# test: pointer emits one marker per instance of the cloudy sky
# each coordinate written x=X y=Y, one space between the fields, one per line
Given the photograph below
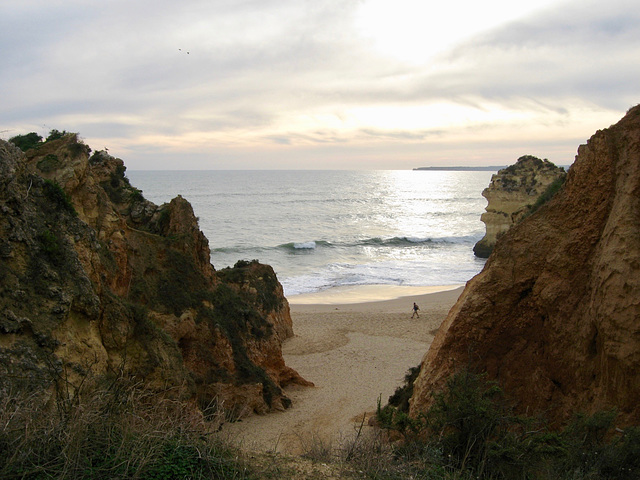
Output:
x=359 y=84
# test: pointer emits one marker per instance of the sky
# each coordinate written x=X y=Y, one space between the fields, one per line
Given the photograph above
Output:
x=321 y=84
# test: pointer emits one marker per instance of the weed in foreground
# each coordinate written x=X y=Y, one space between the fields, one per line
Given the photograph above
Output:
x=110 y=436
x=470 y=431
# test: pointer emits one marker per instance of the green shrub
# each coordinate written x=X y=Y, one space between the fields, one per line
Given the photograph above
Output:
x=136 y=195
x=78 y=148
x=175 y=461
x=56 y=134
x=27 y=142
x=595 y=449
x=553 y=188
x=183 y=286
x=402 y=395
x=468 y=417
x=120 y=171
x=50 y=244
x=470 y=431
x=117 y=187
x=395 y=415
x=164 y=220
x=112 y=187
x=621 y=458
x=58 y=197
x=49 y=163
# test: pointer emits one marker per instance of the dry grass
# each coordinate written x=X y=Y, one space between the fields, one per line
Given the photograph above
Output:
x=119 y=432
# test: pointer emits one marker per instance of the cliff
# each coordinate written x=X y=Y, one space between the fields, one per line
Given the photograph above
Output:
x=98 y=283
x=554 y=316
x=512 y=194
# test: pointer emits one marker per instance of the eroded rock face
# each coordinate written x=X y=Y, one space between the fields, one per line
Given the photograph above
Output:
x=511 y=194
x=98 y=282
x=554 y=316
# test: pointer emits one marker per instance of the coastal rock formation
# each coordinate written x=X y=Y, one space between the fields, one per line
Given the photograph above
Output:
x=554 y=316
x=511 y=195
x=99 y=283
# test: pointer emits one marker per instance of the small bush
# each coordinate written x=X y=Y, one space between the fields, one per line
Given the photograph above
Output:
x=58 y=197
x=117 y=187
x=183 y=286
x=49 y=163
x=49 y=244
x=594 y=449
x=78 y=148
x=164 y=220
x=27 y=142
x=56 y=134
x=112 y=187
x=549 y=193
x=136 y=195
x=467 y=417
x=402 y=395
x=471 y=432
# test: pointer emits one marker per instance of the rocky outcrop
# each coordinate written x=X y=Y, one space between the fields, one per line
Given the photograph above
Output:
x=554 y=316
x=98 y=282
x=511 y=194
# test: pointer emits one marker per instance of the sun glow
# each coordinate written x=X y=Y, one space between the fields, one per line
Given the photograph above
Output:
x=426 y=117
x=415 y=31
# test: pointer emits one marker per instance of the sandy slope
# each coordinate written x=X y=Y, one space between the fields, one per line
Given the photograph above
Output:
x=354 y=353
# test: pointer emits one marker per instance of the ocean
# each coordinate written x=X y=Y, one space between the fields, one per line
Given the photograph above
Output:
x=324 y=229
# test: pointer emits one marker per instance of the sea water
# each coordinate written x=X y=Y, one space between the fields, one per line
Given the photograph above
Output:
x=324 y=229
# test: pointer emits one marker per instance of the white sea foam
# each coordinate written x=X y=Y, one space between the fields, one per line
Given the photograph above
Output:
x=305 y=245
x=449 y=270
x=417 y=239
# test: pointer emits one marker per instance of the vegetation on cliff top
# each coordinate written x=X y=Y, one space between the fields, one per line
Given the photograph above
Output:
x=33 y=140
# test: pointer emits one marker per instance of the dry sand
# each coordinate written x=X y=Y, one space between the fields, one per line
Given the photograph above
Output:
x=355 y=352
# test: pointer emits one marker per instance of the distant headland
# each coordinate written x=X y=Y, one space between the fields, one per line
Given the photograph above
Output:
x=491 y=168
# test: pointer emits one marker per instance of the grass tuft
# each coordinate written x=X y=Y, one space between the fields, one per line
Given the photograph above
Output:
x=117 y=431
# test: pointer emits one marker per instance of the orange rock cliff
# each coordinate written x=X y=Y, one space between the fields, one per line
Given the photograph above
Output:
x=554 y=316
x=98 y=282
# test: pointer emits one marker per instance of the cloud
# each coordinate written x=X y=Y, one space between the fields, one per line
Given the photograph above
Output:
x=285 y=77
x=580 y=50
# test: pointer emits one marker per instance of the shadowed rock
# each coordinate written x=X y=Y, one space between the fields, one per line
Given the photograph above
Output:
x=98 y=283
x=554 y=316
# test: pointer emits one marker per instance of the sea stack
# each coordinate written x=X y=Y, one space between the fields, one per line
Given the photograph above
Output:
x=511 y=195
x=554 y=316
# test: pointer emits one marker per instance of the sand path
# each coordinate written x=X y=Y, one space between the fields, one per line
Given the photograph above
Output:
x=354 y=353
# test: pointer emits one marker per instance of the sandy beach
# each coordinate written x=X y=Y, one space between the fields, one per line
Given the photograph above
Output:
x=355 y=351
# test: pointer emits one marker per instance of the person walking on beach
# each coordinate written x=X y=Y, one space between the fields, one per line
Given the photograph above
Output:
x=415 y=310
